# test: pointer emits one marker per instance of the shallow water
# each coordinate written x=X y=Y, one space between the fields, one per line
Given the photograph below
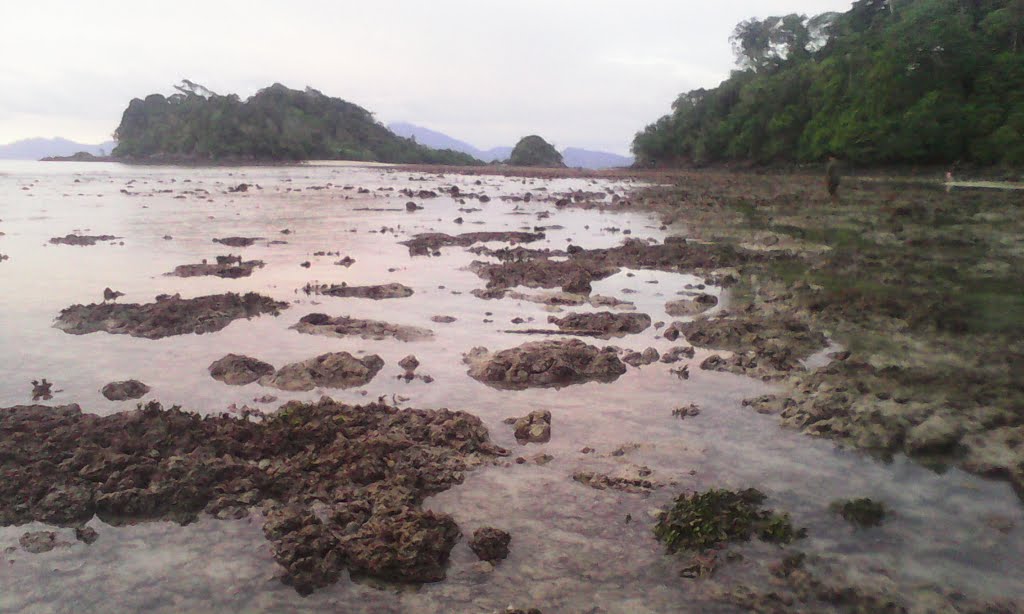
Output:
x=572 y=549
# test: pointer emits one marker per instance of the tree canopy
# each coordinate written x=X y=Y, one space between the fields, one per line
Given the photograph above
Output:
x=887 y=82
x=277 y=123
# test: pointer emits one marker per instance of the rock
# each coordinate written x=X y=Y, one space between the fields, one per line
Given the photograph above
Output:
x=677 y=353
x=442 y=319
x=544 y=364
x=409 y=363
x=42 y=390
x=238 y=241
x=344 y=326
x=428 y=243
x=81 y=240
x=490 y=544
x=122 y=391
x=411 y=206
x=404 y=545
x=939 y=433
x=603 y=324
x=686 y=411
x=331 y=370
x=228 y=267
x=238 y=370
x=533 y=428
x=38 y=542
x=638 y=359
x=375 y=293
x=86 y=535
x=169 y=315
x=379 y=463
x=691 y=306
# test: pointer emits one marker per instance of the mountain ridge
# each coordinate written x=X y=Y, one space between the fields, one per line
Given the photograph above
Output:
x=575 y=157
x=37 y=148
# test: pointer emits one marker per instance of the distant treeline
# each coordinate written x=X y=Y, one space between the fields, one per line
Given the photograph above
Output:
x=888 y=82
x=276 y=123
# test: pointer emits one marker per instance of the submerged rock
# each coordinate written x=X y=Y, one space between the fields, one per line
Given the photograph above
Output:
x=860 y=512
x=490 y=544
x=229 y=267
x=238 y=241
x=698 y=521
x=429 y=243
x=122 y=391
x=344 y=326
x=603 y=324
x=169 y=315
x=331 y=370
x=37 y=542
x=691 y=306
x=81 y=240
x=343 y=483
x=532 y=428
x=371 y=292
x=238 y=370
x=544 y=363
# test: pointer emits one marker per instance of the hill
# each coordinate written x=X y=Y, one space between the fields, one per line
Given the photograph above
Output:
x=534 y=151
x=908 y=82
x=575 y=157
x=275 y=124
x=38 y=148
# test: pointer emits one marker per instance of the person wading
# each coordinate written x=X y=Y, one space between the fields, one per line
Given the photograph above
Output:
x=832 y=176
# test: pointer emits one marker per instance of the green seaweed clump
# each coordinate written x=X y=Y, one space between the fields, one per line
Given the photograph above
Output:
x=698 y=521
x=861 y=512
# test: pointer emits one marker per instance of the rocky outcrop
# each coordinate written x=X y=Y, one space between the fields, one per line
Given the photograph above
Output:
x=169 y=315
x=331 y=370
x=602 y=324
x=81 y=240
x=544 y=364
x=344 y=484
x=228 y=267
x=344 y=326
x=122 y=391
x=371 y=292
x=431 y=242
x=238 y=370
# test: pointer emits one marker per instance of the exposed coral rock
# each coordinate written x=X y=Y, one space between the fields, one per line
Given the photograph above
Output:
x=169 y=315
x=490 y=544
x=344 y=326
x=544 y=363
x=331 y=370
x=122 y=391
x=238 y=370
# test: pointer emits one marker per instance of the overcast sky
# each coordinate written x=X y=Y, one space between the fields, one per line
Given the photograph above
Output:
x=585 y=74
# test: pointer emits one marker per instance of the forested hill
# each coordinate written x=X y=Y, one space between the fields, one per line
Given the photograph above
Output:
x=888 y=82
x=276 y=123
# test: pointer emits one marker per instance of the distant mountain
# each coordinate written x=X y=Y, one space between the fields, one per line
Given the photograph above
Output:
x=39 y=148
x=573 y=156
x=584 y=158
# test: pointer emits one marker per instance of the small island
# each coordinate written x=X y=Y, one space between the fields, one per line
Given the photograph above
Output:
x=277 y=124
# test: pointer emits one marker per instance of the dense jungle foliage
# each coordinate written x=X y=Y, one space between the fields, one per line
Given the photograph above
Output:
x=888 y=82
x=276 y=123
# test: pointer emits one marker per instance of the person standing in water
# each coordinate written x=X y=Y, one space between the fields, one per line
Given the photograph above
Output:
x=832 y=176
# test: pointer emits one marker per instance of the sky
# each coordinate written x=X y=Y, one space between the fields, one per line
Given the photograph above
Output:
x=579 y=73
